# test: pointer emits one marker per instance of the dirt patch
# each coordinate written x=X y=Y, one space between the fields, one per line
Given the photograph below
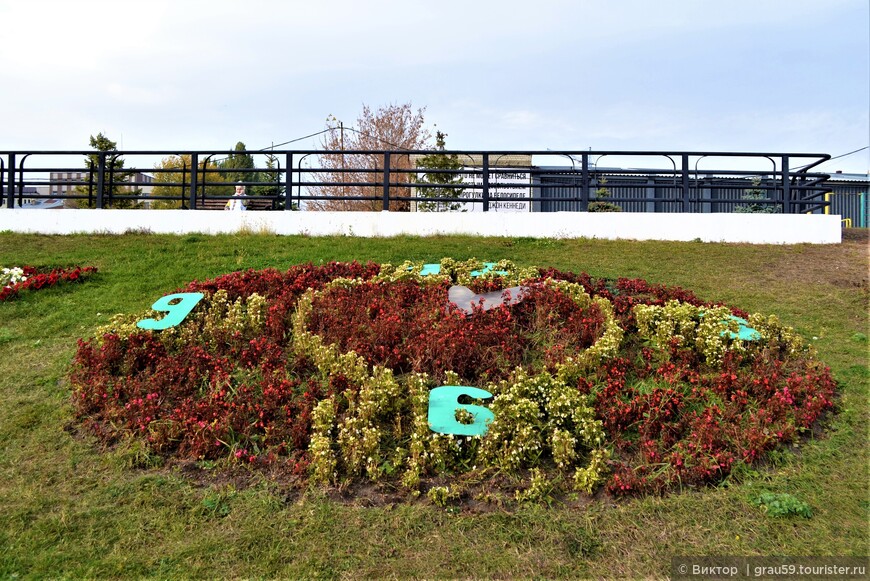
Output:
x=468 y=494
x=842 y=265
x=856 y=235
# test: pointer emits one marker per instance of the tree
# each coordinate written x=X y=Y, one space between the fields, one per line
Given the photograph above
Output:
x=756 y=194
x=601 y=204
x=439 y=161
x=114 y=176
x=271 y=175
x=393 y=127
x=238 y=161
x=175 y=169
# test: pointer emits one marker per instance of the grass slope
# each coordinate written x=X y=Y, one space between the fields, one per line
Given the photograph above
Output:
x=70 y=509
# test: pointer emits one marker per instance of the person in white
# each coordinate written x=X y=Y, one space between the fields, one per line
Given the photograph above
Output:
x=238 y=201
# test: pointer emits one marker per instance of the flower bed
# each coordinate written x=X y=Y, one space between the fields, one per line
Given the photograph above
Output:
x=13 y=280
x=327 y=370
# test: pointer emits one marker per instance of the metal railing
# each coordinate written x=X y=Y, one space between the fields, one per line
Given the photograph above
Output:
x=391 y=180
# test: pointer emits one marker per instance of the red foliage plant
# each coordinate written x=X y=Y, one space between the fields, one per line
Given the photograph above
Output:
x=37 y=279
x=671 y=419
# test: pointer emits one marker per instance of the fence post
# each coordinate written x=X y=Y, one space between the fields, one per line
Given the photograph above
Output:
x=486 y=182
x=584 y=185
x=786 y=187
x=10 y=194
x=183 y=183
x=21 y=179
x=194 y=165
x=288 y=183
x=386 y=207
x=687 y=204
x=101 y=178
x=90 y=183
x=111 y=189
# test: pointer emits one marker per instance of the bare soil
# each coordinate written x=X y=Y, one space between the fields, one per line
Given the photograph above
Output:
x=842 y=265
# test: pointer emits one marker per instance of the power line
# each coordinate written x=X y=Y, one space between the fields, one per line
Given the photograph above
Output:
x=850 y=153
x=364 y=134
x=833 y=158
x=274 y=145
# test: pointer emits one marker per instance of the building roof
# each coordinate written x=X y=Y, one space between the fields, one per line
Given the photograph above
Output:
x=28 y=191
x=850 y=177
x=476 y=160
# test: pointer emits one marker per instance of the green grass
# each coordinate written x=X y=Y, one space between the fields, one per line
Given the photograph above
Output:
x=70 y=509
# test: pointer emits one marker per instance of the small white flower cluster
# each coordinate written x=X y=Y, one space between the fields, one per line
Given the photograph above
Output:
x=457 y=272
x=661 y=324
x=535 y=414
x=708 y=330
x=440 y=495
x=213 y=320
x=538 y=489
x=775 y=335
x=244 y=315
x=323 y=462
x=11 y=276
x=361 y=433
x=605 y=347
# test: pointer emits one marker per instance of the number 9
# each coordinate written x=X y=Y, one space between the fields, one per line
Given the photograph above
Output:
x=176 y=312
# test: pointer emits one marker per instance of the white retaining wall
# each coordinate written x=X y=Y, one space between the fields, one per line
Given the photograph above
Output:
x=752 y=228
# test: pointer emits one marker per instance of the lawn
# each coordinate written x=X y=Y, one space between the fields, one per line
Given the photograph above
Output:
x=69 y=508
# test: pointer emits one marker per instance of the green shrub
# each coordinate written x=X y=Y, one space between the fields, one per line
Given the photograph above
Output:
x=782 y=504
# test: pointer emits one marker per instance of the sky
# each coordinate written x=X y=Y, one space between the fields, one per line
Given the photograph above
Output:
x=628 y=75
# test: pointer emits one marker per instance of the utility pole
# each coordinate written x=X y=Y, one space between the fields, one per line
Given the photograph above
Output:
x=343 y=175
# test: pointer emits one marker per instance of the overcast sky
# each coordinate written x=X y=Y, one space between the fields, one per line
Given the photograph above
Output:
x=735 y=75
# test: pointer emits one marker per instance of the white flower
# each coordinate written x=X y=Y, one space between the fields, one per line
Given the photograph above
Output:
x=11 y=276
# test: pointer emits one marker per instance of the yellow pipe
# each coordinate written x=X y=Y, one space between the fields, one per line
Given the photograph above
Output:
x=828 y=199
x=847 y=222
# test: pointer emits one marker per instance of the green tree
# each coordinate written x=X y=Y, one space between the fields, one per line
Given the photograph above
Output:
x=271 y=175
x=756 y=193
x=114 y=176
x=236 y=164
x=439 y=161
x=175 y=169
x=601 y=204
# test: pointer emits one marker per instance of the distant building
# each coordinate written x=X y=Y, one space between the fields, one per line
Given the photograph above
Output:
x=29 y=195
x=850 y=197
x=71 y=183
x=509 y=179
x=557 y=188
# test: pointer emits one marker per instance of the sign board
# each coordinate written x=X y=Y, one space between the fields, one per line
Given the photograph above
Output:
x=509 y=183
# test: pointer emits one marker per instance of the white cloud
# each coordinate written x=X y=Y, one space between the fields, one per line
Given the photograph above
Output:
x=498 y=74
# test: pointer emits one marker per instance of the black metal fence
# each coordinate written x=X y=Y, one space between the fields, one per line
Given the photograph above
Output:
x=394 y=180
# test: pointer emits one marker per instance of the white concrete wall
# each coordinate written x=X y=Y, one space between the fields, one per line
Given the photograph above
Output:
x=752 y=228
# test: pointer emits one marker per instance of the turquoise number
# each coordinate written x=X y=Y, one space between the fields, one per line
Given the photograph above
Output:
x=443 y=403
x=436 y=269
x=745 y=332
x=175 y=311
